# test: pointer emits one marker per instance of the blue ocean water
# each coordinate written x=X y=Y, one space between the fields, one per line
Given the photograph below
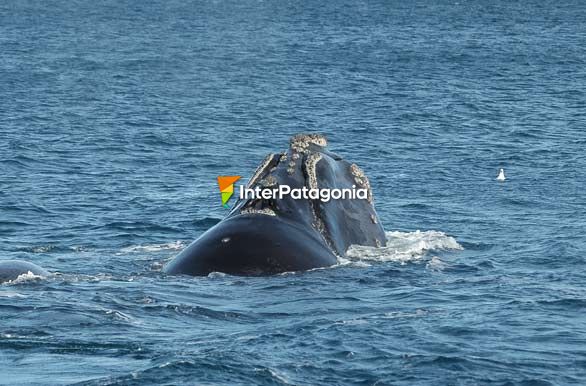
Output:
x=117 y=116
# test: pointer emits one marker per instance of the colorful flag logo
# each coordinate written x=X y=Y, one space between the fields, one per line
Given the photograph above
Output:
x=226 y=184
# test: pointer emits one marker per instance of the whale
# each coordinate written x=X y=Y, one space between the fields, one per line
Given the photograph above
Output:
x=12 y=269
x=267 y=236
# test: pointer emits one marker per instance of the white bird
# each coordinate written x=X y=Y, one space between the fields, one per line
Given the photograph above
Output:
x=501 y=176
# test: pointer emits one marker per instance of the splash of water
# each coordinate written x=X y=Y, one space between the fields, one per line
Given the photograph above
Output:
x=25 y=277
x=404 y=247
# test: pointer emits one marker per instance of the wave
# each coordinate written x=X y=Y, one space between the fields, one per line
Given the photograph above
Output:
x=404 y=247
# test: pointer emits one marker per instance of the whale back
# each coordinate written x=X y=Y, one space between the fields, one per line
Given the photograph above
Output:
x=12 y=269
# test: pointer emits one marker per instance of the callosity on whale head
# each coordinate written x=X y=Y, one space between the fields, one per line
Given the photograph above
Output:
x=267 y=236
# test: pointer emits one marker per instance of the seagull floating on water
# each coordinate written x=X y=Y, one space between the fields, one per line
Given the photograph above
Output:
x=501 y=176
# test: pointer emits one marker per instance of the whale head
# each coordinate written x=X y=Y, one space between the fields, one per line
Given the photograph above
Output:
x=289 y=233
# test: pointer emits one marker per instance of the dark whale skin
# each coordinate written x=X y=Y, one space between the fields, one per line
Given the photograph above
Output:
x=266 y=237
x=252 y=245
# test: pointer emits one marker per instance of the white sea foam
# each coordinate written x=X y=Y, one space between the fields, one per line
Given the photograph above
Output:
x=173 y=246
x=8 y=294
x=25 y=277
x=435 y=264
x=404 y=247
x=217 y=274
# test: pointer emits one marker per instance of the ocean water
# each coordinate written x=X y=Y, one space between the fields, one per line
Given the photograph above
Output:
x=117 y=116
